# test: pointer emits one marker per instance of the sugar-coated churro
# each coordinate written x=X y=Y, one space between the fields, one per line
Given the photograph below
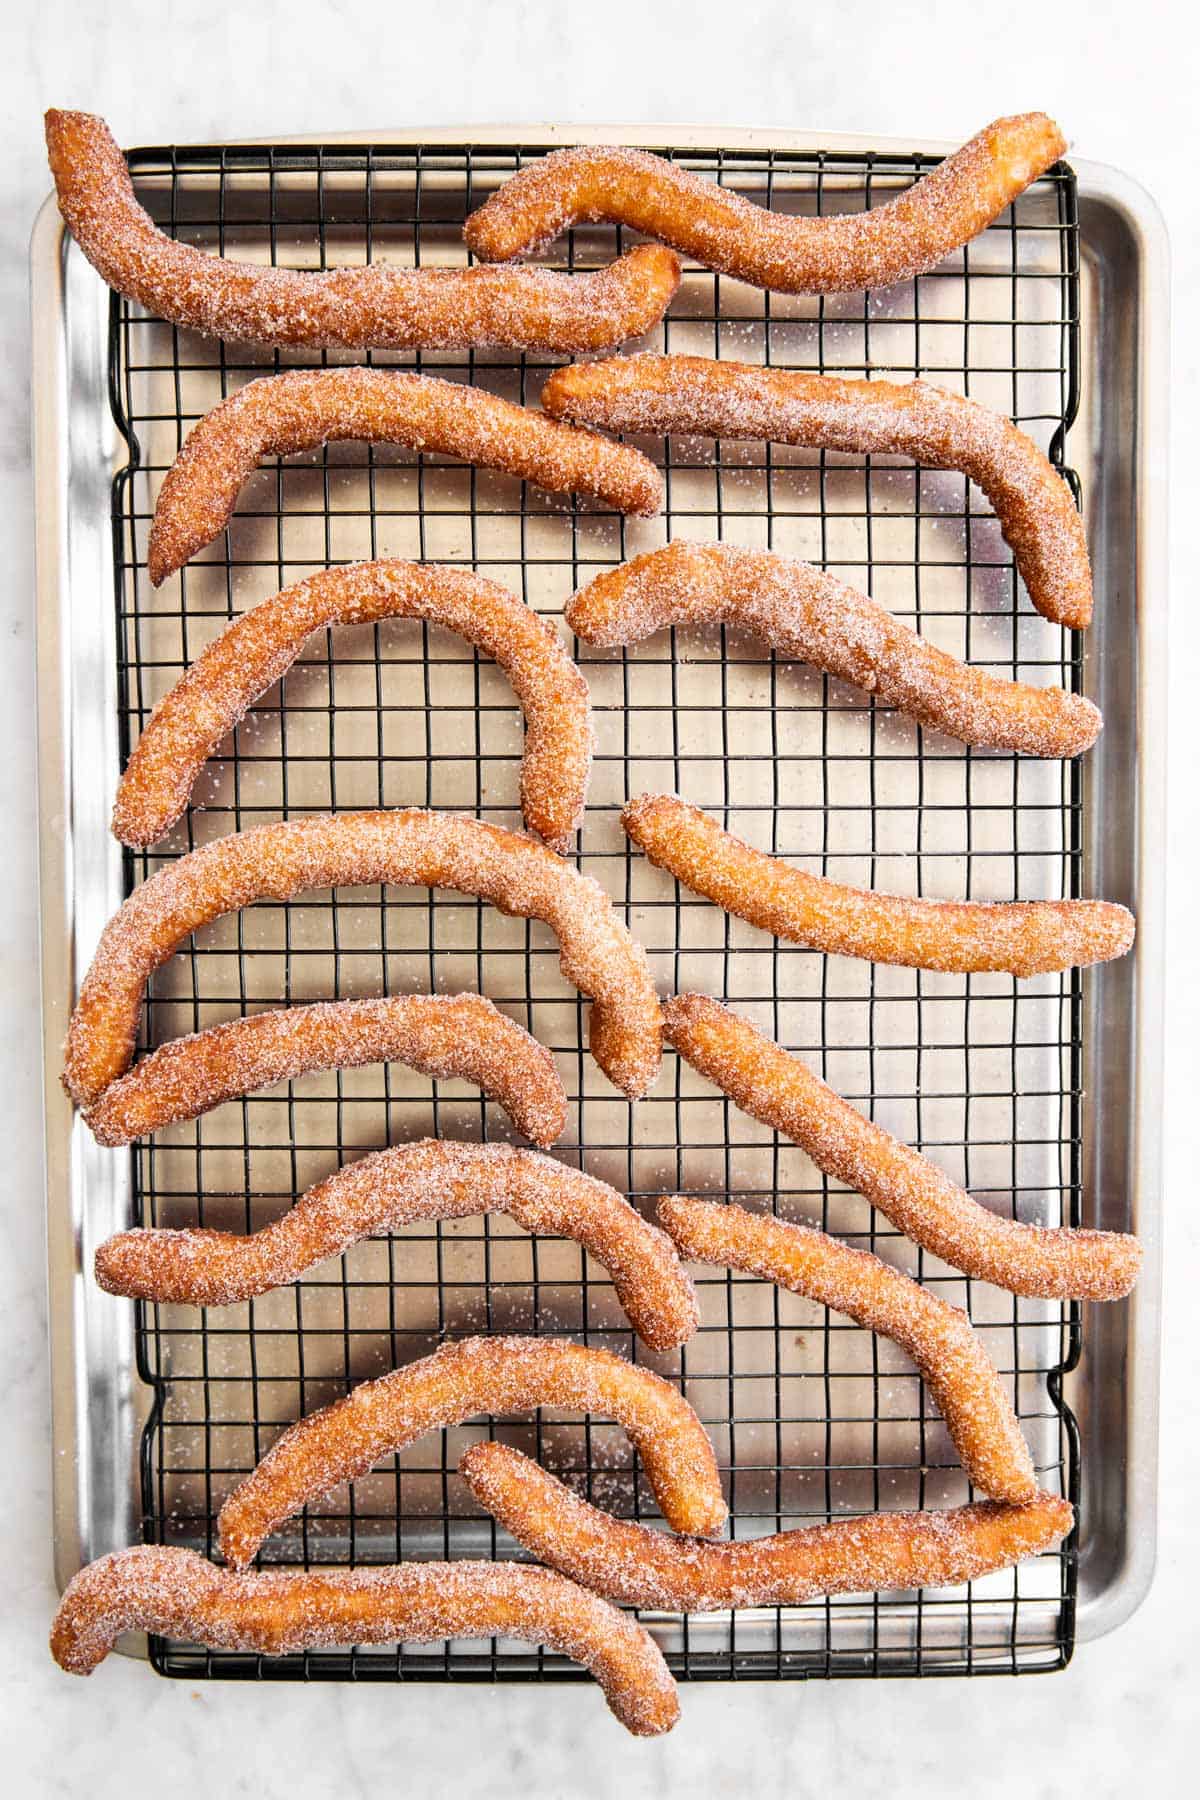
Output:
x=906 y=236
x=433 y=1179
x=177 y=1593
x=280 y=415
x=447 y=1036
x=217 y=691
x=939 y=1337
x=413 y=848
x=640 y=1566
x=807 y=614
x=938 y=429
x=493 y=1375
x=378 y=306
x=776 y=1088
x=1021 y=937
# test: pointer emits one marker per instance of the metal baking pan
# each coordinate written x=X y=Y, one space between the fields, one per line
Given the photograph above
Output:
x=1047 y=1099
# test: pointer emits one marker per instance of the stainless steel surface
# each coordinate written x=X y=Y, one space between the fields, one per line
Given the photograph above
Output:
x=1114 y=1391
x=1117 y=446
x=97 y=1402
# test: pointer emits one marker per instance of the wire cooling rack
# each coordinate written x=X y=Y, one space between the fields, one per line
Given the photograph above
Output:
x=811 y=1417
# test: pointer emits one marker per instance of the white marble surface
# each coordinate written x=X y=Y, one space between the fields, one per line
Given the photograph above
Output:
x=1122 y=77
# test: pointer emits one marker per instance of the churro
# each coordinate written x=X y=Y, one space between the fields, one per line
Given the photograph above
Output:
x=776 y=1088
x=937 y=429
x=280 y=415
x=428 y=1180
x=937 y=1336
x=492 y=1375
x=720 y=229
x=1020 y=937
x=640 y=1566
x=176 y=1593
x=363 y=308
x=806 y=614
x=217 y=691
x=448 y=1036
x=404 y=848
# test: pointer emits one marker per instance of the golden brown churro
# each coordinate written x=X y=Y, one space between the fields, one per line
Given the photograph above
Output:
x=176 y=1593
x=216 y=692
x=376 y=307
x=492 y=1375
x=448 y=1036
x=405 y=848
x=938 y=429
x=939 y=1337
x=908 y=236
x=302 y=409
x=643 y=1567
x=1021 y=937
x=428 y=1180
x=806 y=614
x=776 y=1088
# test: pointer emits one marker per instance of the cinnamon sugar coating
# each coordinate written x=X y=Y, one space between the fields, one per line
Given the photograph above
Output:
x=807 y=614
x=445 y=1035
x=936 y=428
x=937 y=1336
x=433 y=1179
x=640 y=1566
x=776 y=1088
x=1021 y=937
x=374 y=307
x=499 y=1375
x=403 y=848
x=220 y=687
x=280 y=415
x=720 y=229
x=177 y=1593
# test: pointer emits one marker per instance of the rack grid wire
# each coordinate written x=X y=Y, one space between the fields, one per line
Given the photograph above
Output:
x=811 y=1417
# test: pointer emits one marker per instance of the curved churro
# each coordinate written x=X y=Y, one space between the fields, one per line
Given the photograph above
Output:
x=279 y=415
x=493 y=1375
x=1021 y=937
x=429 y=1180
x=806 y=614
x=216 y=692
x=776 y=1088
x=376 y=307
x=937 y=1336
x=940 y=430
x=905 y=237
x=447 y=1036
x=643 y=1567
x=404 y=848
x=177 y=1593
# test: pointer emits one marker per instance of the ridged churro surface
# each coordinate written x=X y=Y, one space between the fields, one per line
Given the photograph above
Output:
x=1056 y=1263
x=404 y=848
x=1020 y=937
x=447 y=1036
x=281 y=415
x=434 y=1179
x=936 y=428
x=176 y=1593
x=497 y=1375
x=220 y=687
x=722 y=230
x=374 y=307
x=642 y=1567
x=939 y=1337
x=806 y=613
